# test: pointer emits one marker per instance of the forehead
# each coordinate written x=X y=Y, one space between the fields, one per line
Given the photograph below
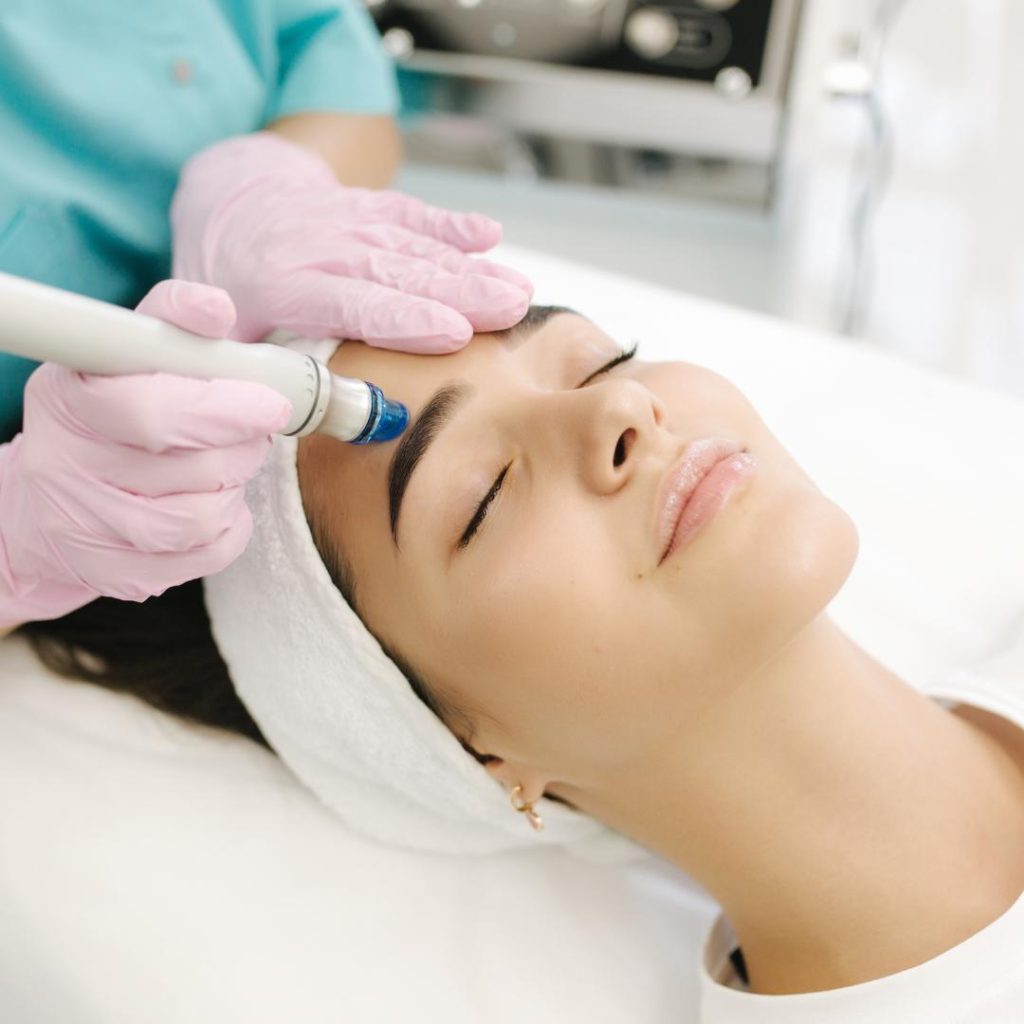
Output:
x=412 y=379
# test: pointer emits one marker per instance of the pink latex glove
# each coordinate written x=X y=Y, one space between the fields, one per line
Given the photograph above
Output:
x=266 y=220
x=124 y=486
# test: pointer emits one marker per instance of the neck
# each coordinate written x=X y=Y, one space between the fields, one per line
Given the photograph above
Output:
x=825 y=805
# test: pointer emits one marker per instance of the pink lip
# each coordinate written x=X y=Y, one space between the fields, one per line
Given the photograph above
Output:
x=696 y=487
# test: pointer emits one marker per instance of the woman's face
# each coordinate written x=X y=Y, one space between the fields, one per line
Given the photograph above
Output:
x=573 y=650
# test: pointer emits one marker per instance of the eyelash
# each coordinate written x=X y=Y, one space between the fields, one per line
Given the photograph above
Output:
x=481 y=511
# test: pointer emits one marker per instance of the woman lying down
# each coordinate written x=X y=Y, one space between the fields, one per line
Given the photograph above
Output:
x=500 y=631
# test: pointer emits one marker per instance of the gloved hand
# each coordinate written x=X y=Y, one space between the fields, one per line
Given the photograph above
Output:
x=126 y=485
x=266 y=220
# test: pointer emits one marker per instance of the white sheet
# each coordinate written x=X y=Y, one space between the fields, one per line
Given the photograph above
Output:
x=155 y=872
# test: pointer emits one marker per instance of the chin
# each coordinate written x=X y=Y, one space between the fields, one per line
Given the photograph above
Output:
x=787 y=557
x=816 y=547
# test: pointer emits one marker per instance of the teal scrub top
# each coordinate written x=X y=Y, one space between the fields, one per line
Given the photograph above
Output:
x=102 y=101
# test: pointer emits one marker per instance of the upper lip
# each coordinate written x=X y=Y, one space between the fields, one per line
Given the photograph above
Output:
x=681 y=480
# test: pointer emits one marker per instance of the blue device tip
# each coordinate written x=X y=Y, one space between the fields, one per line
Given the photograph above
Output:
x=386 y=421
x=394 y=418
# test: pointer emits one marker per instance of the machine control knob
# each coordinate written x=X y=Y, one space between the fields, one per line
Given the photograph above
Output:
x=735 y=83
x=651 y=32
x=398 y=42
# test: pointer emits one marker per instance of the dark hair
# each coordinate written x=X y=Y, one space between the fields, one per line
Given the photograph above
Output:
x=162 y=650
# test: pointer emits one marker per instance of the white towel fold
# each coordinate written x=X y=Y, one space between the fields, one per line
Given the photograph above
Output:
x=339 y=712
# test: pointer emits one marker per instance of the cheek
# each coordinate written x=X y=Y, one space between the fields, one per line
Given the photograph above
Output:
x=686 y=387
x=543 y=641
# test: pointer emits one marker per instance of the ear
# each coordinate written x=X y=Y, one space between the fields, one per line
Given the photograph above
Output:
x=511 y=775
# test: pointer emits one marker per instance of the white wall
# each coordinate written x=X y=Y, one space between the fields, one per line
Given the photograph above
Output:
x=947 y=241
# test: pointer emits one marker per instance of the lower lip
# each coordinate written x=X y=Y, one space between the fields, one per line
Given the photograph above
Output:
x=710 y=496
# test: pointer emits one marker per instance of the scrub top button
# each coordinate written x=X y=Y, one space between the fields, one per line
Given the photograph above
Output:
x=181 y=71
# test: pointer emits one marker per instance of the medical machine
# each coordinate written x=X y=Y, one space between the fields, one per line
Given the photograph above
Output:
x=51 y=325
x=665 y=82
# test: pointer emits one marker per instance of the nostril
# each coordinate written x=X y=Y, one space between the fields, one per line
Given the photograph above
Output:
x=625 y=442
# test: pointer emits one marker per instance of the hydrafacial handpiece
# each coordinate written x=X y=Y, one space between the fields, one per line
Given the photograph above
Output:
x=50 y=325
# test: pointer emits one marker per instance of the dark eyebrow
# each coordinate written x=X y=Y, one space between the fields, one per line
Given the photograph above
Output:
x=441 y=407
x=417 y=439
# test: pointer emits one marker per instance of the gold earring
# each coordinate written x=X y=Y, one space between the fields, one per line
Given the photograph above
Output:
x=532 y=816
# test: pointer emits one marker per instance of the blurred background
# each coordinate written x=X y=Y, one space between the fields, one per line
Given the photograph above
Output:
x=847 y=164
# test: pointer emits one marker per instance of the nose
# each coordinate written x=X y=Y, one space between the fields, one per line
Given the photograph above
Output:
x=605 y=429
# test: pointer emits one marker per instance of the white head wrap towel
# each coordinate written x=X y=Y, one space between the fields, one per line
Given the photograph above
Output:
x=339 y=712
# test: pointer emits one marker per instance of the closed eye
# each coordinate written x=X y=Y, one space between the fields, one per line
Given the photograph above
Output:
x=622 y=357
x=481 y=511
